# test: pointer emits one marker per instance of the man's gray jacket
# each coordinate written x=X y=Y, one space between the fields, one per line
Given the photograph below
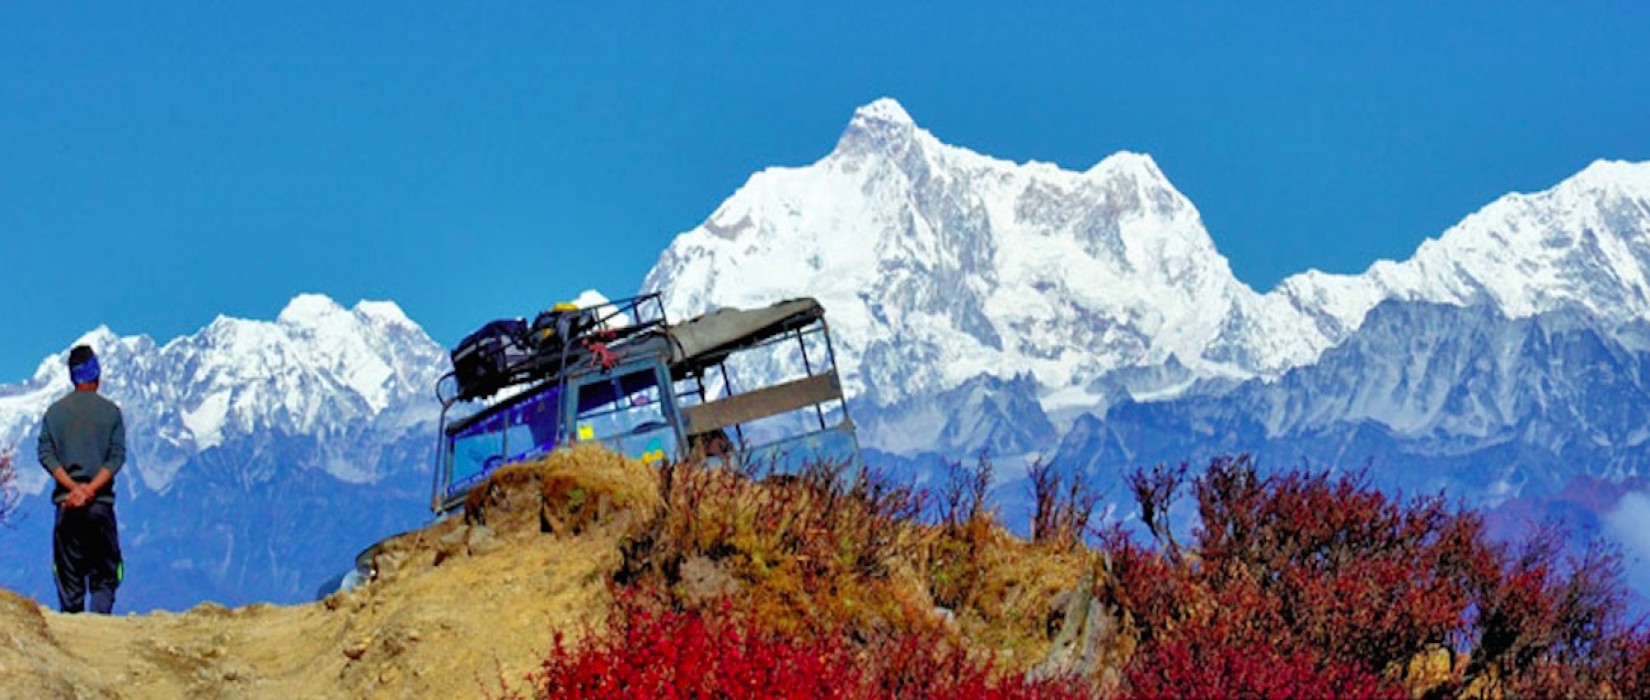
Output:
x=83 y=432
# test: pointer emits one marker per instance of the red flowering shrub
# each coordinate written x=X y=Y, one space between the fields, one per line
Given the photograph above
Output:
x=1335 y=565
x=1189 y=669
x=652 y=653
x=1303 y=585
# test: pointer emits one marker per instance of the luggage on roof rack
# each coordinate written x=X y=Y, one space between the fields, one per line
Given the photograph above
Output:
x=482 y=362
x=510 y=352
x=562 y=323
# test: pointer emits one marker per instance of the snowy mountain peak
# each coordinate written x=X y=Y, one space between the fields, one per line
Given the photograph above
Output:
x=309 y=310
x=319 y=372
x=885 y=110
x=938 y=264
x=1128 y=164
x=882 y=127
x=320 y=312
x=589 y=298
x=97 y=338
x=387 y=313
x=1613 y=174
x=1583 y=243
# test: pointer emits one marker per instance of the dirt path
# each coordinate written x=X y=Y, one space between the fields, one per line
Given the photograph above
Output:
x=455 y=609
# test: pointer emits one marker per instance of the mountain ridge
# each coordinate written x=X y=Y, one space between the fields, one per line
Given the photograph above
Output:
x=930 y=255
x=316 y=365
x=1608 y=207
x=940 y=264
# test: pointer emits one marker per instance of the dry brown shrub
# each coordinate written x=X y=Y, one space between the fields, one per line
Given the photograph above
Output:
x=825 y=545
x=1005 y=590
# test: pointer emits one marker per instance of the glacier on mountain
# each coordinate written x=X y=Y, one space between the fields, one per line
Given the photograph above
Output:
x=938 y=265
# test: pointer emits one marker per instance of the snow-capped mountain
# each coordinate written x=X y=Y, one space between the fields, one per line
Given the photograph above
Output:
x=318 y=370
x=1583 y=243
x=937 y=265
x=261 y=455
x=1430 y=396
x=976 y=304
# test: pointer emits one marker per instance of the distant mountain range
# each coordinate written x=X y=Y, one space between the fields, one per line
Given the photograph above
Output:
x=976 y=304
x=940 y=266
x=262 y=455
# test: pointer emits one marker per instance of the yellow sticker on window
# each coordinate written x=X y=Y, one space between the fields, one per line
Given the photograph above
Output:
x=586 y=432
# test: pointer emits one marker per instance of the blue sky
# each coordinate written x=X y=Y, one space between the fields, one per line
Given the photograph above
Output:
x=164 y=163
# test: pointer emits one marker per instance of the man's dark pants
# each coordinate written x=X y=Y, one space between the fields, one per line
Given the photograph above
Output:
x=86 y=550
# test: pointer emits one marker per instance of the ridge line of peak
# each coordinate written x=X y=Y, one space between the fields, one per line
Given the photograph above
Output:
x=1613 y=171
x=885 y=109
x=308 y=306
x=385 y=310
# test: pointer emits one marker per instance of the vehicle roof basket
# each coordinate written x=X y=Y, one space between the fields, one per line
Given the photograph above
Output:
x=550 y=348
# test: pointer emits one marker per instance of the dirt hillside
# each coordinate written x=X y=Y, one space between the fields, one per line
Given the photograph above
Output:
x=455 y=608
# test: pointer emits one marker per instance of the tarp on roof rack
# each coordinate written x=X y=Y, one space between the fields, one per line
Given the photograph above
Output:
x=709 y=338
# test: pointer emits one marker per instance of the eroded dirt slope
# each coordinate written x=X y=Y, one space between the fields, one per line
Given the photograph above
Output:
x=456 y=608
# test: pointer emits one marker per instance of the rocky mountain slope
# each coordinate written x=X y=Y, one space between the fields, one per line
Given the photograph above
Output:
x=1428 y=396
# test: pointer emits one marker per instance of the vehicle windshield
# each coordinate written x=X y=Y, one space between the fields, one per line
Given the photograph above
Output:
x=625 y=412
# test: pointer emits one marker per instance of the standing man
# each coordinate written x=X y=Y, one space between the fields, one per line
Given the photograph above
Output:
x=82 y=445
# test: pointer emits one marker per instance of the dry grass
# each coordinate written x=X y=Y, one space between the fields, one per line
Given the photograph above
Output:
x=1014 y=609
x=833 y=548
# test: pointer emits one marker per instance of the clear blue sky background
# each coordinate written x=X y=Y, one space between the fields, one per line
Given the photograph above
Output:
x=163 y=163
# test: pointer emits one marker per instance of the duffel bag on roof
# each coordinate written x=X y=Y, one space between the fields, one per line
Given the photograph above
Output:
x=482 y=361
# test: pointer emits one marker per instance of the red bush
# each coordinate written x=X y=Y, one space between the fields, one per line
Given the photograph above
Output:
x=1299 y=585
x=1193 y=670
x=663 y=654
x=1362 y=578
x=1305 y=585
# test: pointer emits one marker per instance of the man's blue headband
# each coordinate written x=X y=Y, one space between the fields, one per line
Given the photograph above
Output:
x=85 y=372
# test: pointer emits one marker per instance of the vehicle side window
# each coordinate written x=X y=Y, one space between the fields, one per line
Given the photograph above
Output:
x=474 y=452
x=530 y=426
x=519 y=432
x=626 y=413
